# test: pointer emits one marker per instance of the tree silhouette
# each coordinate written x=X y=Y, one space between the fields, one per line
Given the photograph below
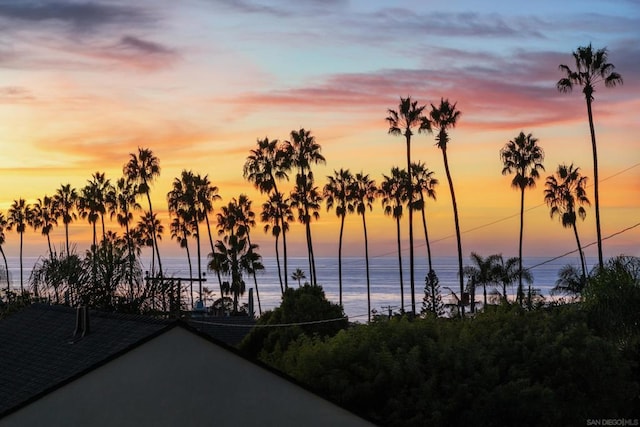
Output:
x=364 y=194
x=565 y=194
x=245 y=218
x=442 y=118
x=424 y=184
x=338 y=192
x=276 y=214
x=64 y=202
x=44 y=218
x=268 y=163
x=142 y=169
x=522 y=156
x=180 y=228
x=393 y=194
x=4 y=226
x=591 y=69
x=298 y=275
x=19 y=216
x=402 y=122
x=482 y=271
x=303 y=151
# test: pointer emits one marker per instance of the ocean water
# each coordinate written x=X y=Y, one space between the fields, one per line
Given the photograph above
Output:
x=383 y=272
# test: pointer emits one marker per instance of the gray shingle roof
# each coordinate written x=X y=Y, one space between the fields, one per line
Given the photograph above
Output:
x=38 y=351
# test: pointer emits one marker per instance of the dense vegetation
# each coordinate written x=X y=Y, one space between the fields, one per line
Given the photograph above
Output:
x=554 y=365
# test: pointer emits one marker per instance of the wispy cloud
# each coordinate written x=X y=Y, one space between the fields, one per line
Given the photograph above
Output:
x=15 y=94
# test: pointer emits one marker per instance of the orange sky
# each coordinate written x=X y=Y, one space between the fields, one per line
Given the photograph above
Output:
x=199 y=83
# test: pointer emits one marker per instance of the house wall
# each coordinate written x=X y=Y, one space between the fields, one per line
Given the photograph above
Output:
x=181 y=379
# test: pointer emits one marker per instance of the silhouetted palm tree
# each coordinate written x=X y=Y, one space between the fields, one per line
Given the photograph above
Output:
x=364 y=194
x=268 y=163
x=4 y=225
x=591 y=69
x=393 y=192
x=507 y=272
x=444 y=117
x=402 y=122
x=483 y=273
x=303 y=151
x=424 y=184
x=142 y=169
x=44 y=218
x=64 y=202
x=276 y=214
x=19 y=216
x=245 y=218
x=180 y=228
x=148 y=231
x=121 y=203
x=298 y=275
x=565 y=194
x=570 y=282
x=522 y=156
x=337 y=192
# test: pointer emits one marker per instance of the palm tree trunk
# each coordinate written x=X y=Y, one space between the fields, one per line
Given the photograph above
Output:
x=6 y=268
x=457 y=224
x=49 y=244
x=278 y=263
x=284 y=255
x=410 y=204
x=340 y=260
x=366 y=258
x=66 y=235
x=520 y=289
x=426 y=235
x=190 y=269
x=582 y=261
x=213 y=251
x=153 y=236
x=21 y=284
x=595 y=181
x=400 y=265
x=255 y=278
x=199 y=260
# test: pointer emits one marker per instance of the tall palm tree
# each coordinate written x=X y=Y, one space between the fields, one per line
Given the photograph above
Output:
x=393 y=193
x=523 y=157
x=142 y=169
x=206 y=194
x=443 y=118
x=4 y=225
x=246 y=221
x=149 y=230
x=402 y=122
x=267 y=164
x=364 y=194
x=424 y=184
x=276 y=214
x=92 y=203
x=180 y=228
x=591 y=69
x=19 y=216
x=303 y=151
x=121 y=203
x=44 y=218
x=337 y=192
x=565 y=194
x=64 y=202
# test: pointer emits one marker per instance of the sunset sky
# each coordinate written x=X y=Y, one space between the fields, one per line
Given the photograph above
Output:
x=83 y=84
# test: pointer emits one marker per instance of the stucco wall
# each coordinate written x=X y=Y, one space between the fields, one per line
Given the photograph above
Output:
x=180 y=379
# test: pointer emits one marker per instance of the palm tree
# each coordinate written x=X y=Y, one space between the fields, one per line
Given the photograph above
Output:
x=4 y=225
x=246 y=221
x=149 y=230
x=393 y=192
x=565 y=194
x=522 y=156
x=64 y=202
x=402 y=122
x=337 y=192
x=276 y=214
x=570 y=282
x=482 y=273
x=444 y=117
x=44 y=217
x=20 y=214
x=591 y=69
x=364 y=194
x=92 y=203
x=298 y=275
x=180 y=231
x=142 y=169
x=303 y=151
x=424 y=184
x=507 y=272
x=121 y=203
x=206 y=194
x=268 y=163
